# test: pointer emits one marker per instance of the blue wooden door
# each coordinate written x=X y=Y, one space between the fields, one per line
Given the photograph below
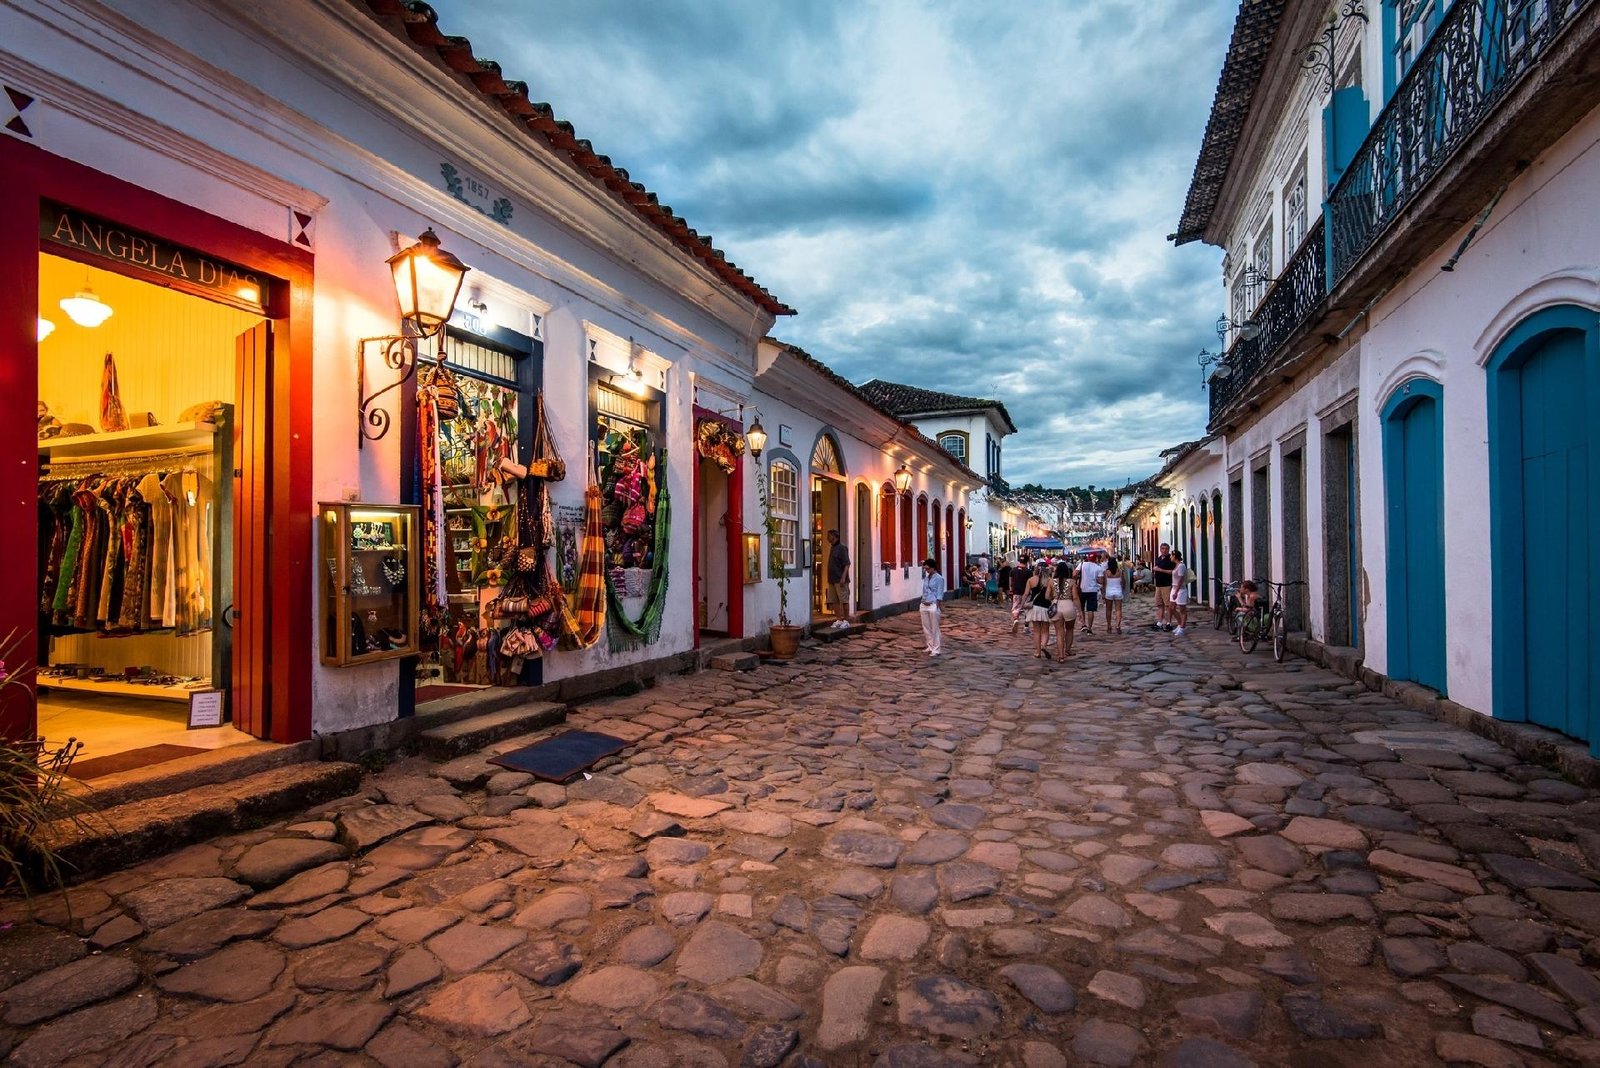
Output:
x=1559 y=629
x=1414 y=462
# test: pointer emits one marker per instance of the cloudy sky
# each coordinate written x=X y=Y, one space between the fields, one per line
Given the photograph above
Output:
x=969 y=196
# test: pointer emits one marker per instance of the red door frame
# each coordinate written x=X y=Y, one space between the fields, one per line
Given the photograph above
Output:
x=734 y=527
x=31 y=175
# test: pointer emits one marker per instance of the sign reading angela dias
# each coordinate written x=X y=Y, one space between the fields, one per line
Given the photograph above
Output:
x=90 y=238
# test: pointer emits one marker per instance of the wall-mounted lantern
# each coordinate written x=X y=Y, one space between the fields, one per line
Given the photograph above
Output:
x=427 y=280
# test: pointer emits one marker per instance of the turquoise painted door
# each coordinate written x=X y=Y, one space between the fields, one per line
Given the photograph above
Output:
x=1417 y=534
x=1560 y=631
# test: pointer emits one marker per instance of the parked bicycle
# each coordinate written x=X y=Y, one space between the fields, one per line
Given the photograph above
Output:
x=1225 y=608
x=1266 y=619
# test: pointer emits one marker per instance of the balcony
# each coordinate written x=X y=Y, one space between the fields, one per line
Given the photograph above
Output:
x=1479 y=55
x=1296 y=300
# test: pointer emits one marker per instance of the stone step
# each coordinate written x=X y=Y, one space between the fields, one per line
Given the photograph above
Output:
x=91 y=842
x=829 y=633
x=464 y=736
x=227 y=764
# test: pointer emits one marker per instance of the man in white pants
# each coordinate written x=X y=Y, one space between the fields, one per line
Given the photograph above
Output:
x=932 y=602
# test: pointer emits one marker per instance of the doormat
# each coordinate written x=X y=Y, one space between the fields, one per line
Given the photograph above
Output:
x=559 y=758
x=115 y=763
x=439 y=693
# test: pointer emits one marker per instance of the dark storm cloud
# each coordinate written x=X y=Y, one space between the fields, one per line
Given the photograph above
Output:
x=968 y=197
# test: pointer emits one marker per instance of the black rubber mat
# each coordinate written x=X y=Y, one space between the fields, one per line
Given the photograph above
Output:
x=559 y=758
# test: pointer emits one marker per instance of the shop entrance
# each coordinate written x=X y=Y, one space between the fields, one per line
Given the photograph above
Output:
x=828 y=513
x=150 y=515
x=719 y=520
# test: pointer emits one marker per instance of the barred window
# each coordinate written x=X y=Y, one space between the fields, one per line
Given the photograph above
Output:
x=785 y=499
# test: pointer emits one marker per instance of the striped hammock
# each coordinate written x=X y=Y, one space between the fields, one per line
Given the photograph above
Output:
x=585 y=622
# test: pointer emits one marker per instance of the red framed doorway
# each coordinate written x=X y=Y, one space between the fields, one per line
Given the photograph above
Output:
x=732 y=526
x=279 y=706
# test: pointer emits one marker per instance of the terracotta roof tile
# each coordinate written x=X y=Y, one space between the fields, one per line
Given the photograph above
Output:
x=860 y=393
x=904 y=400
x=417 y=23
x=1254 y=30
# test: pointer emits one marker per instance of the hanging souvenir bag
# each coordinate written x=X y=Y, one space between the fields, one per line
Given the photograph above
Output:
x=546 y=463
x=113 y=417
x=446 y=391
x=633 y=519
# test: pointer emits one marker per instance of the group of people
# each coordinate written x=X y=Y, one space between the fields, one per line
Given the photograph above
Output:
x=1051 y=597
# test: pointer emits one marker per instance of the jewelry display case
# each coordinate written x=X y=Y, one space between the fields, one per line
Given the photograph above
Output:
x=370 y=578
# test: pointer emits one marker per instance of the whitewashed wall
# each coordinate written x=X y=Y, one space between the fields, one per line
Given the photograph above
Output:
x=1538 y=249
x=207 y=103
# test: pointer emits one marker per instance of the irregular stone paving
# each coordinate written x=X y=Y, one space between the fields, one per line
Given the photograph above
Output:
x=1164 y=852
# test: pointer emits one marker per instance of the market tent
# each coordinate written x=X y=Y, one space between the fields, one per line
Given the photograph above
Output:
x=1048 y=544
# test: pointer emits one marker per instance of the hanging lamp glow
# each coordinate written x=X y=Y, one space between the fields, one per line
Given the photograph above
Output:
x=902 y=480
x=46 y=328
x=86 y=309
x=756 y=438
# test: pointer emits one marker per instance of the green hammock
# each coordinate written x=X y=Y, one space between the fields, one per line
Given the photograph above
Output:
x=623 y=632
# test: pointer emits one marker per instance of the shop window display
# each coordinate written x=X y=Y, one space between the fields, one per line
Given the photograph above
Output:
x=634 y=514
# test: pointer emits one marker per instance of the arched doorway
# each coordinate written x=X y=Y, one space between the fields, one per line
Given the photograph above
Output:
x=862 y=571
x=1413 y=486
x=952 y=566
x=827 y=514
x=920 y=544
x=1543 y=479
x=936 y=535
x=1216 y=535
x=1203 y=558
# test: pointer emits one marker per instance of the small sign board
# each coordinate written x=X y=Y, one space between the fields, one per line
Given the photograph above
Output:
x=205 y=709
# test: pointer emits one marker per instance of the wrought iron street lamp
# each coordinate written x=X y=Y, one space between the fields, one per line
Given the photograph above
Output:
x=427 y=280
x=1206 y=358
x=1248 y=330
x=902 y=480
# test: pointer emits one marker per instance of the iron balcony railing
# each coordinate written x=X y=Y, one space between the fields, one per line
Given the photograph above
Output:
x=1298 y=296
x=1480 y=50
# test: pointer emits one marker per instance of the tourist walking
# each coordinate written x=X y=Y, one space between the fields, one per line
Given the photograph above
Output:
x=1162 y=579
x=1089 y=573
x=1065 y=621
x=1019 y=582
x=1178 y=610
x=1039 y=594
x=838 y=578
x=932 y=605
x=1114 y=595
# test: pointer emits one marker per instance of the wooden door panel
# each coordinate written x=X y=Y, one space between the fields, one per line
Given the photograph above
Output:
x=252 y=494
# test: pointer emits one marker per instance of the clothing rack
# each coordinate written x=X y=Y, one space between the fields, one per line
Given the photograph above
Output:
x=206 y=447
x=119 y=464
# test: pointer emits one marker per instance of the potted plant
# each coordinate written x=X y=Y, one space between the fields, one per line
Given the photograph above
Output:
x=784 y=635
x=31 y=797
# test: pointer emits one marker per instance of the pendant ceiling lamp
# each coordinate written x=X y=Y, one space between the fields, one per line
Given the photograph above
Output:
x=46 y=328
x=86 y=309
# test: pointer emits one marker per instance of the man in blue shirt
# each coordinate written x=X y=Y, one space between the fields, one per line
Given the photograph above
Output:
x=932 y=602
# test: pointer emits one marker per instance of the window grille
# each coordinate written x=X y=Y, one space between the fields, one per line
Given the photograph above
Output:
x=955 y=445
x=615 y=404
x=825 y=457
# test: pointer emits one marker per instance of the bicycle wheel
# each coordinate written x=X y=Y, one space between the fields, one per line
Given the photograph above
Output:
x=1280 y=634
x=1249 y=633
x=1222 y=610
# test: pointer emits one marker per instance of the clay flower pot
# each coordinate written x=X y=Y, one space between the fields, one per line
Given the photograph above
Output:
x=785 y=641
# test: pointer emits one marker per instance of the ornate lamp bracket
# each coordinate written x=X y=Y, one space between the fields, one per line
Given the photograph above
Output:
x=1318 y=57
x=399 y=354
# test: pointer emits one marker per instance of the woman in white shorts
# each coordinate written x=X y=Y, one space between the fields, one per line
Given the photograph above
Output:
x=1114 y=596
x=1037 y=596
x=1180 y=593
x=1065 y=622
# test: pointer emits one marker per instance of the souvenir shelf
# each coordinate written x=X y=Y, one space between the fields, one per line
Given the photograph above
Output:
x=371 y=578
x=125 y=444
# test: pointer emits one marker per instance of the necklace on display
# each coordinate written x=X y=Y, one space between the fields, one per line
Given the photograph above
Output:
x=394 y=569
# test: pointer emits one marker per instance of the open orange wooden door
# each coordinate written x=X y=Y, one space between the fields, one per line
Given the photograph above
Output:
x=252 y=495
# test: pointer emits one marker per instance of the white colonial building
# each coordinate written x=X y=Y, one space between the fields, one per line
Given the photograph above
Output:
x=1405 y=192
x=973 y=430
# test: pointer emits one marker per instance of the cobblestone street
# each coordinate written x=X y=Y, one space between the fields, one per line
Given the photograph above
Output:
x=1162 y=852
